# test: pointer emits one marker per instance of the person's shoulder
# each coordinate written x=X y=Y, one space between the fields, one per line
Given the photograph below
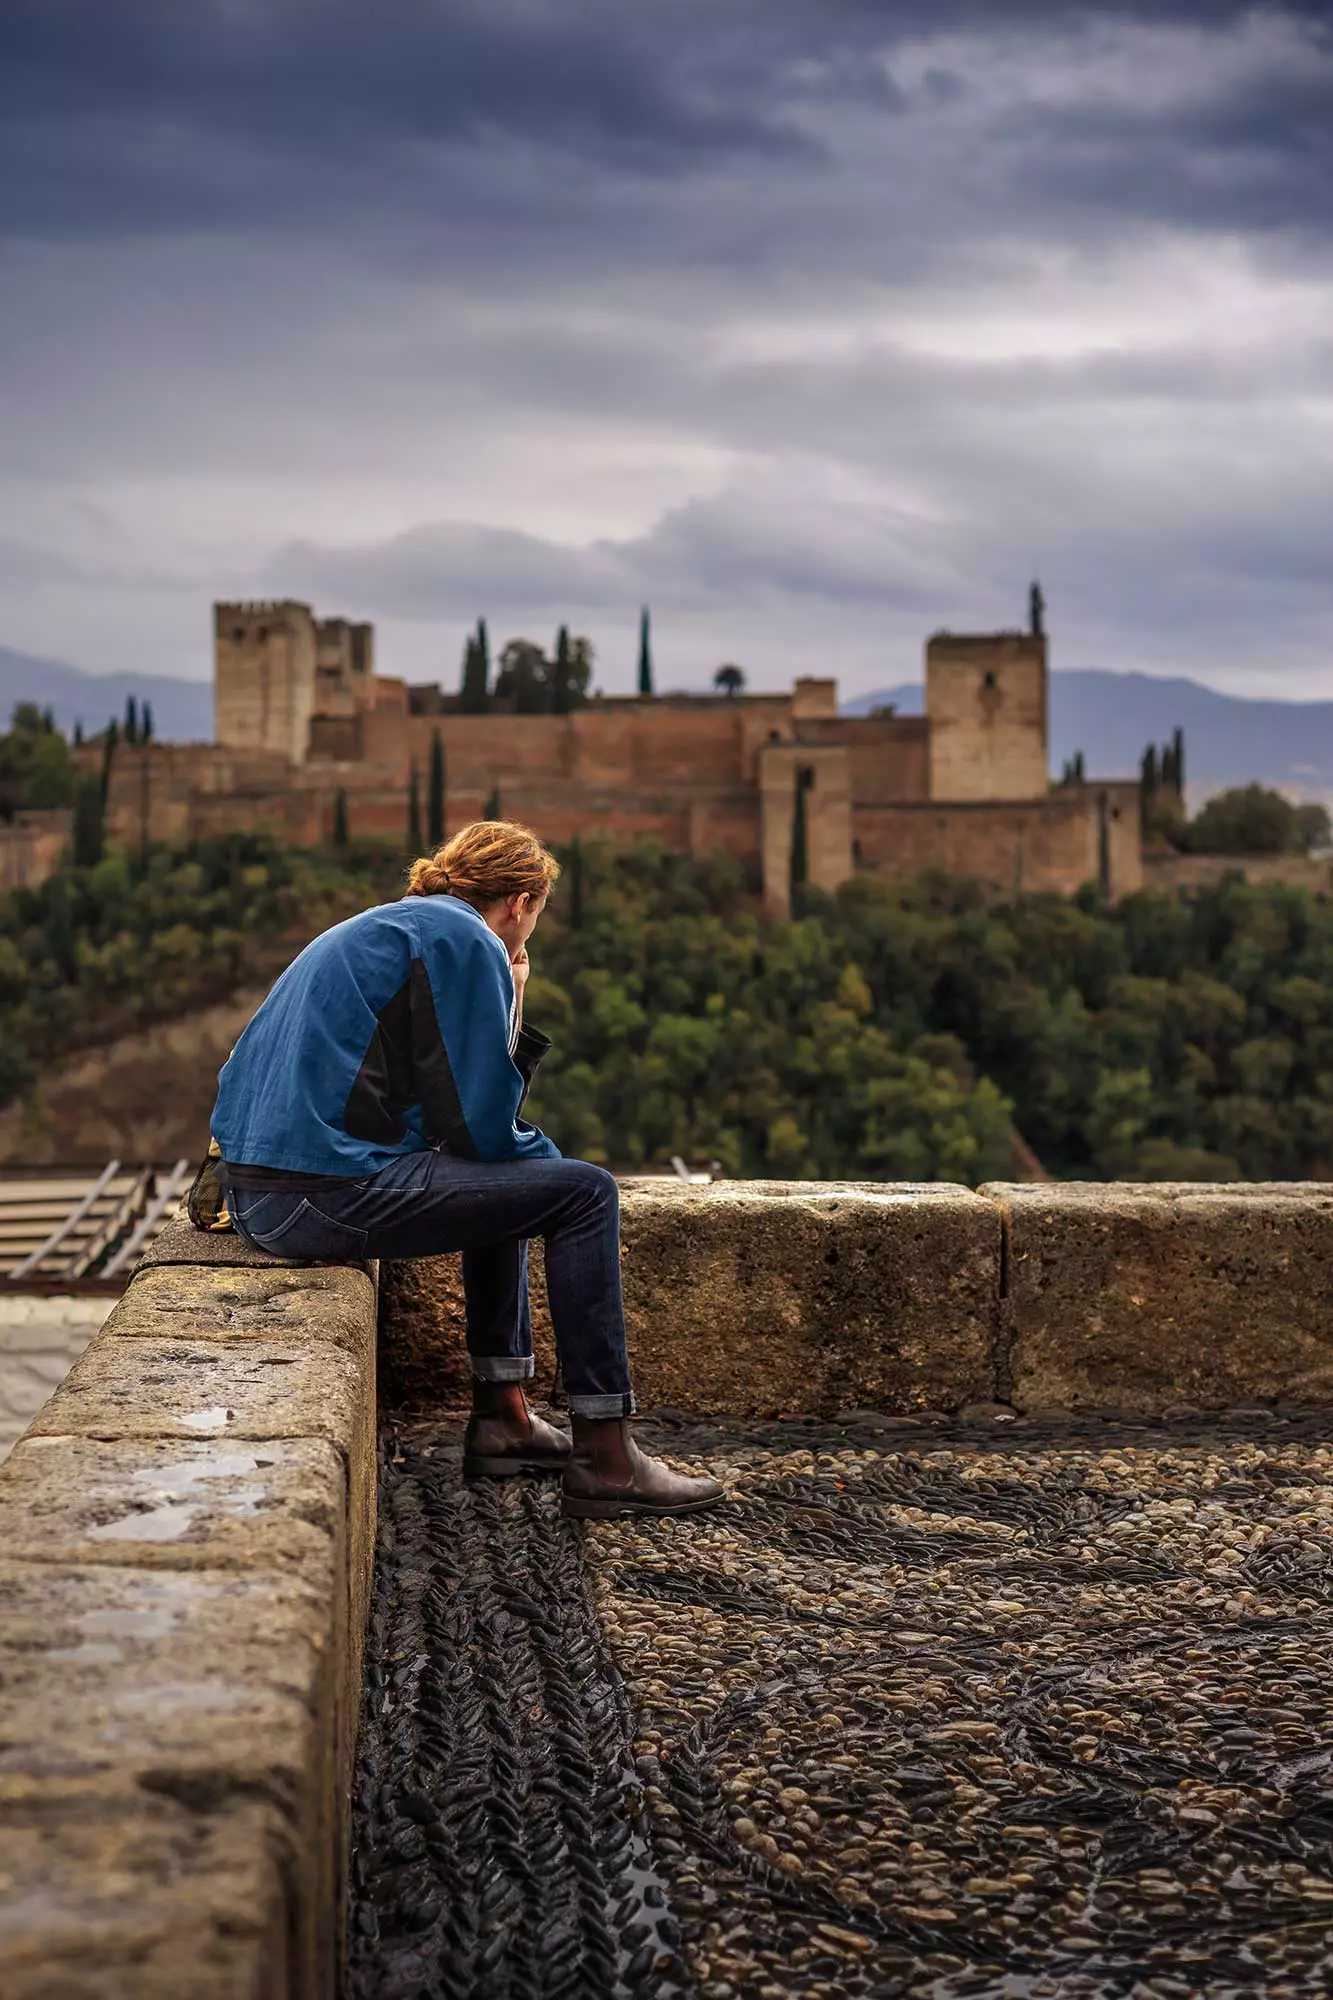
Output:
x=453 y=921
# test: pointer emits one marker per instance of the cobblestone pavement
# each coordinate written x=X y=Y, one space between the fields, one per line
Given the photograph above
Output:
x=927 y=1710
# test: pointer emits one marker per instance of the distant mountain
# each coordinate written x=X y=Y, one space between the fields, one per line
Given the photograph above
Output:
x=1229 y=740
x=182 y=710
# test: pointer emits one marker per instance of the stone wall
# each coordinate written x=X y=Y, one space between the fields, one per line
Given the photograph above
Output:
x=1056 y=843
x=770 y=1298
x=32 y=847
x=187 y=1530
x=1197 y=871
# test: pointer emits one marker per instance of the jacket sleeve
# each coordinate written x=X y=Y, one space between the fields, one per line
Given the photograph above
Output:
x=471 y=1087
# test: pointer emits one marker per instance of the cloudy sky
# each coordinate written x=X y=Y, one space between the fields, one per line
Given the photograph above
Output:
x=815 y=324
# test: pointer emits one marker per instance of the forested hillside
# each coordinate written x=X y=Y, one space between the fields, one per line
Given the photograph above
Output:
x=889 y=1032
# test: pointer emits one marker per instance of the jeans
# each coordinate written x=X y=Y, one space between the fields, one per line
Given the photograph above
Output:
x=424 y=1204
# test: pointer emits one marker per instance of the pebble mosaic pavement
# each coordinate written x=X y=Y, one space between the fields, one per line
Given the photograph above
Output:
x=931 y=1709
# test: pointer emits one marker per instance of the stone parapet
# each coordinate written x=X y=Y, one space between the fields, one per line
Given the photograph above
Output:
x=772 y=1298
x=757 y=1297
x=187 y=1529
x=1145 y=1297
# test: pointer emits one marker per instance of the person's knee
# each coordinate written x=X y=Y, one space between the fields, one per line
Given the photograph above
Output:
x=598 y=1188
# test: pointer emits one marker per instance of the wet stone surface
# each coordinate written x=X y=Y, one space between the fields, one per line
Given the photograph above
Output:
x=1003 y=1708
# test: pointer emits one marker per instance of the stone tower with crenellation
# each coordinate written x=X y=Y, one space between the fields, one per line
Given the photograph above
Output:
x=275 y=665
x=264 y=672
x=987 y=703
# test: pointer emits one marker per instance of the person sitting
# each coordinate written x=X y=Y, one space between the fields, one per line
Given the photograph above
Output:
x=372 y=1108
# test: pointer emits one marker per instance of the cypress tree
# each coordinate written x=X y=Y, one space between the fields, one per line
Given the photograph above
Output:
x=341 y=836
x=491 y=809
x=473 y=689
x=484 y=648
x=109 y=742
x=800 y=859
x=561 y=691
x=78 y=731
x=87 y=830
x=146 y=724
x=645 y=655
x=435 y=794
x=1178 y=761
x=414 y=840
x=131 y=721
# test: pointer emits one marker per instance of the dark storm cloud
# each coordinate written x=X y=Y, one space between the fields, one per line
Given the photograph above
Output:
x=829 y=318
x=150 y=115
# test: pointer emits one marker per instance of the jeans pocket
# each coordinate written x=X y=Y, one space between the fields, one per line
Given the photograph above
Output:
x=248 y=1211
x=308 y=1232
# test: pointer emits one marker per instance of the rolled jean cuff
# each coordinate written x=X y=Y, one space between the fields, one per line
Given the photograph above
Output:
x=502 y=1367
x=602 y=1406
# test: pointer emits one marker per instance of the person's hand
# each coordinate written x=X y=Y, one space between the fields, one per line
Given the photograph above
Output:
x=520 y=966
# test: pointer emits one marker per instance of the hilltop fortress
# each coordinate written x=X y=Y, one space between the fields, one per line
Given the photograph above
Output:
x=300 y=715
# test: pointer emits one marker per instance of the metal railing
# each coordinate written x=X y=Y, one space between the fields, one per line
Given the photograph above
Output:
x=63 y=1228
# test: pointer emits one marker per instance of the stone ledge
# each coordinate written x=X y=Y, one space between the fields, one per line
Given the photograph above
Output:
x=758 y=1298
x=1144 y=1297
x=187 y=1530
x=182 y=1243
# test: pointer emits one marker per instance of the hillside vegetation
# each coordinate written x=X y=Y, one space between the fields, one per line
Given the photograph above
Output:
x=888 y=1032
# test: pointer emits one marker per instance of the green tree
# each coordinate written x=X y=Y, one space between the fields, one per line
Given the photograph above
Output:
x=729 y=680
x=570 y=672
x=146 y=724
x=525 y=677
x=37 y=771
x=87 y=831
x=645 y=655
x=474 y=694
x=109 y=740
x=800 y=858
x=415 y=842
x=1249 y=819
x=131 y=721
x=1311 y=828
x=435 y=793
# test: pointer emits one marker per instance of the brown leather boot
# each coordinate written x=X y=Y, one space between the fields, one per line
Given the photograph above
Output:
x=504 y=1438
x=608 y=1475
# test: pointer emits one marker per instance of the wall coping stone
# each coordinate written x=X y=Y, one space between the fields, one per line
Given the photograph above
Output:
x=187 y=1530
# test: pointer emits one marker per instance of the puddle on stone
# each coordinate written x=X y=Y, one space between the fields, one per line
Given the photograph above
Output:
x=123 y=1624
x=158 y=1524
x=215 y=1419
x=230 y=1465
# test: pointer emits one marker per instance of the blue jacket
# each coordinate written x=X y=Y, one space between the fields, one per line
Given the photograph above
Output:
x=391 y=1032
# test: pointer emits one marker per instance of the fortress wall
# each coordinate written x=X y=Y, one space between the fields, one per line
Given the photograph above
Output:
x=187 y=1529
x=33 y=847
x=1036 y=845
x=888 y=756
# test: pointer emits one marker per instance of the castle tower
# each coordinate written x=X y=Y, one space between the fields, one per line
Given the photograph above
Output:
x=264 y=670
x=987 y=703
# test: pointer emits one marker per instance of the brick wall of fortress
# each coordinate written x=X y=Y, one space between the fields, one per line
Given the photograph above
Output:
x=684 y=771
